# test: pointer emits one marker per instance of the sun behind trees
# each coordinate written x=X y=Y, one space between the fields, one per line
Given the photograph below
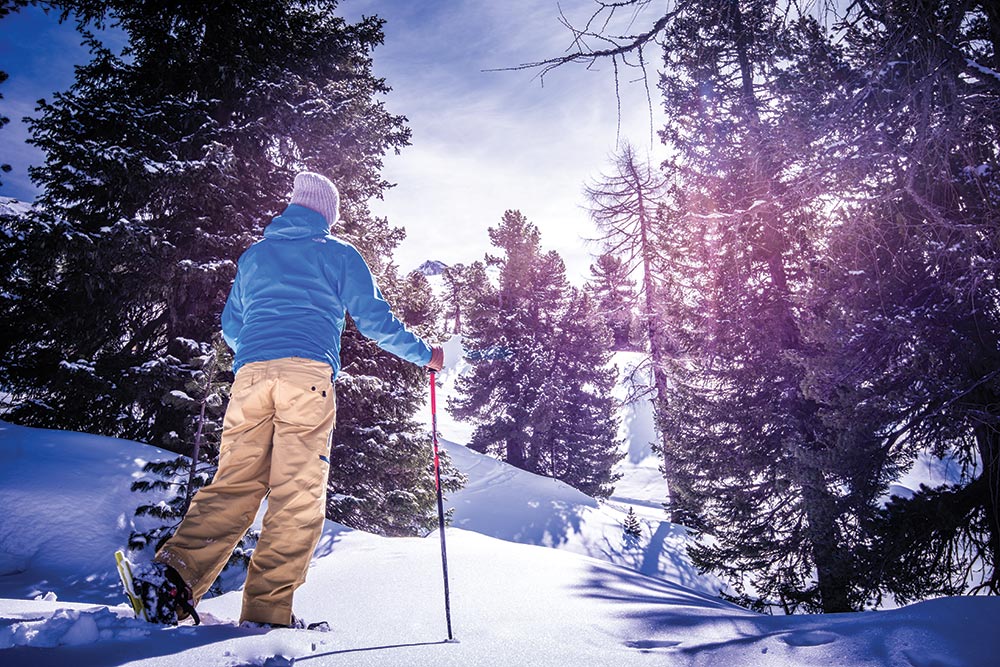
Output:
x=829 y=237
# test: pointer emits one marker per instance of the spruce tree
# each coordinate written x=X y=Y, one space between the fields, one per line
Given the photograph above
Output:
x=632 y=528
x=505 y=318
x=539 y=390
x=163 y=164
x=780 y=492
x=615 y=299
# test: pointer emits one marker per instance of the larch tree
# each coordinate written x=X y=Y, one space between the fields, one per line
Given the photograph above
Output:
x=626 y=205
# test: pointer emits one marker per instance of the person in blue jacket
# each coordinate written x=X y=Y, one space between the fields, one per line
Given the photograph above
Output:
x=283 y=319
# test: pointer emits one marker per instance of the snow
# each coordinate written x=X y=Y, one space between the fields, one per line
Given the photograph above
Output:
x=540 y=574
x=642 y=482
x=179 y=395
x=15 y=207
x=80 y=366
x=66 y=503
x=928 y=470
x=983 y=71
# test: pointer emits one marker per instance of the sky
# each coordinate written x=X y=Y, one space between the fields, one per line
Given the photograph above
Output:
x=483 y=141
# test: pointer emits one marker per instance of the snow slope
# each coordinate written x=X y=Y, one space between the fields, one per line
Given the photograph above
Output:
x=66 y=506
x=512 y=605
x=510 y=504
x=540 y=575
x=513 y=505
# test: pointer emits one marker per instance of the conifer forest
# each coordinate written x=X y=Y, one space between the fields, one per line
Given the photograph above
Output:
x=810 y=276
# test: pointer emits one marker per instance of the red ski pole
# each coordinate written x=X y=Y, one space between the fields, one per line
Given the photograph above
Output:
x=440 y=502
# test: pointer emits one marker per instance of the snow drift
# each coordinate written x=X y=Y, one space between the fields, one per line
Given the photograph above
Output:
x=66 y=507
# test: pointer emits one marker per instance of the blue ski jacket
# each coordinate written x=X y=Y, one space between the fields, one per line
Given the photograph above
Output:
x=292 y=290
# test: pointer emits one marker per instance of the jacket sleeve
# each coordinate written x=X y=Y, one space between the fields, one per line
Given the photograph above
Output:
x=232 y=314
x=372 y=313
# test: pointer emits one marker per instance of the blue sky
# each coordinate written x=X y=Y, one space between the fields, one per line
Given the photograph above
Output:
x=483 y=141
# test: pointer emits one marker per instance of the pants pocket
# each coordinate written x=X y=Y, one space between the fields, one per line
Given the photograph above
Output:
x=306 y=395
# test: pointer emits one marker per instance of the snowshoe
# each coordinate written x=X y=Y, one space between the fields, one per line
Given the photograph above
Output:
x=125 y=574
x=296 y=624
x=156 y=592
x=318 y=626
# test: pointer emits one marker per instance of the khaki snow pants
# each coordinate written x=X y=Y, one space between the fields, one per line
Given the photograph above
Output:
x=276 y=437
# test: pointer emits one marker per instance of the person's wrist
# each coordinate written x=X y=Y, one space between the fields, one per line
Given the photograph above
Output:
x=437 y=358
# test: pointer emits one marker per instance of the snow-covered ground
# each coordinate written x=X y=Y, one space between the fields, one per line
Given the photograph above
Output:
x=540 y=575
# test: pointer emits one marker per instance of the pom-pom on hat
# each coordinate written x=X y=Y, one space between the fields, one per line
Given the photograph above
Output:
x=317 y=192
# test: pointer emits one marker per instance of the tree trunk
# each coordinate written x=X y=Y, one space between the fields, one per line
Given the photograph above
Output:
x=833 y=565
x=678 y=509
x=833 y=575
x=515 y=453
x=988 y=442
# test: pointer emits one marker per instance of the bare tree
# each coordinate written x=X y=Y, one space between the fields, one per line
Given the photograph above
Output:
x=626 y=206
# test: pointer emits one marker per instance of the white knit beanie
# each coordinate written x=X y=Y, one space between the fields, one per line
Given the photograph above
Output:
x=317 y=192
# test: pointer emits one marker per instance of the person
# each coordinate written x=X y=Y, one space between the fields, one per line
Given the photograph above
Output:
x=283 y=319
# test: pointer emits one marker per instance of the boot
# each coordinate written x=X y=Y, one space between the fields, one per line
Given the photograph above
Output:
x=296 y=624
x=165 y=595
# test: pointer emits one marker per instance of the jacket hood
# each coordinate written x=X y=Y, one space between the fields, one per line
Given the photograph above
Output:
x=297 y=222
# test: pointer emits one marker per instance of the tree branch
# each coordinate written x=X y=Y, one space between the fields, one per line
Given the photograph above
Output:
x=620 y=45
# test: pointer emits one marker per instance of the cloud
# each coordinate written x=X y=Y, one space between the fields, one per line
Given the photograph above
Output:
x=487 y=141
x=483 y=141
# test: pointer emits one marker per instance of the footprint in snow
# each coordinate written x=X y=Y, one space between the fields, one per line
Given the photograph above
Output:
x=809 y=638
x=646 y=645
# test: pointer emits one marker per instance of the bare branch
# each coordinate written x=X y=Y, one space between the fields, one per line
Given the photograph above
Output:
x=579 y=50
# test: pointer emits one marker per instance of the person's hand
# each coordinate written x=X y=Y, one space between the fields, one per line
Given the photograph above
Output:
x=437 y=358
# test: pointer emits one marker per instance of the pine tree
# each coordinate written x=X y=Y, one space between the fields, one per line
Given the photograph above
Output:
x=632 y=528
x=540 y=394
x=506 y=317
x=575 y=430
x=162 y=165
x=615 y=299
x=909 y=294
